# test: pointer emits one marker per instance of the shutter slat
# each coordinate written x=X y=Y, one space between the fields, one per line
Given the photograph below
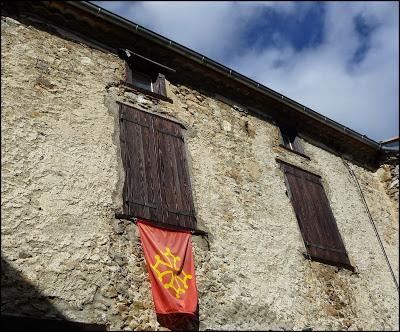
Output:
x=316 y=221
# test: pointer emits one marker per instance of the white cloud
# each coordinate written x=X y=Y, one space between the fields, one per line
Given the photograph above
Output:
x=364 y=99
x=210 y=28
x=363 y=96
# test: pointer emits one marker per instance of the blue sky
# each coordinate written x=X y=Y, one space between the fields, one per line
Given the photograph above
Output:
x=341 y=59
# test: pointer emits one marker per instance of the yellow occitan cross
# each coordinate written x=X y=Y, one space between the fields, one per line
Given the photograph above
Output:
x=176 y=282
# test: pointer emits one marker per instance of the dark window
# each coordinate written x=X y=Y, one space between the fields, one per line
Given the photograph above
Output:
x=315 y=218
x=290 y=139
x=142 y=81
x=157 y=184
x=146 y=81
x=144 y=74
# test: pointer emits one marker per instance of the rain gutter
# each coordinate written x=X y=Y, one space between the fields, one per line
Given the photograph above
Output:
x=207 y=62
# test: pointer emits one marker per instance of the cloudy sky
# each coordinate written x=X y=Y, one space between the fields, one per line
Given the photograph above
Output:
x=340 y=59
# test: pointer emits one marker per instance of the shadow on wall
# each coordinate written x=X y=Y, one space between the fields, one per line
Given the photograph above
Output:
x=24 y=307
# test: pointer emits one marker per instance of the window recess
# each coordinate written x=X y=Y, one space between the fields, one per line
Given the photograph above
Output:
x=144 y=74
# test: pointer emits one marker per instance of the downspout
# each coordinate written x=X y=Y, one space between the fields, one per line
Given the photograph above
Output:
x=372 y=222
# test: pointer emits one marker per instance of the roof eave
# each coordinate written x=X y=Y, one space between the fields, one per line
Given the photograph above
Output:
x=205 y=61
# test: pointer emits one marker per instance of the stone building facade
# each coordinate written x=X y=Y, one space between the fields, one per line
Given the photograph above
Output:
x=65 y=255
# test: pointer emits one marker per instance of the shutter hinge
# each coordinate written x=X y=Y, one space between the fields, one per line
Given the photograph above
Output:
x=171 y=134
x=183 y=213
x=199 y=232
x=149 y=205
x=309 y=244
x=125 y=216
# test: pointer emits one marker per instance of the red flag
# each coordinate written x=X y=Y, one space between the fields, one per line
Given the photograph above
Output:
x=171 y=269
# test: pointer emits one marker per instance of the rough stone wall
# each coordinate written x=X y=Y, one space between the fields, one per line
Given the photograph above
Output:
x=388 y=173
x=60 y=167
x=62 y=181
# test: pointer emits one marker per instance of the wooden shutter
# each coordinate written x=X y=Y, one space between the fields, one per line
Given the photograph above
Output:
x=157 y=184
x=142 y=186
x=297 y=145
x=128 y=74
x=176 y=193
x=314 y=215
x=159 y=85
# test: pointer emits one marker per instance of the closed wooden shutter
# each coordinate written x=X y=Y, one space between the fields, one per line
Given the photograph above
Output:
x=175 y=185
x=157 y=184
x=314 y=215
x=142 y=186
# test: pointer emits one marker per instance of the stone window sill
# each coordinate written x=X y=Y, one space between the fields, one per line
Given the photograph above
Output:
x=130 y=86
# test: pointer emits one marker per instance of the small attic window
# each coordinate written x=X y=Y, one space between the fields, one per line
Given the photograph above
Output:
x=290 y=140
x=146 y=81
x=144 y=74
